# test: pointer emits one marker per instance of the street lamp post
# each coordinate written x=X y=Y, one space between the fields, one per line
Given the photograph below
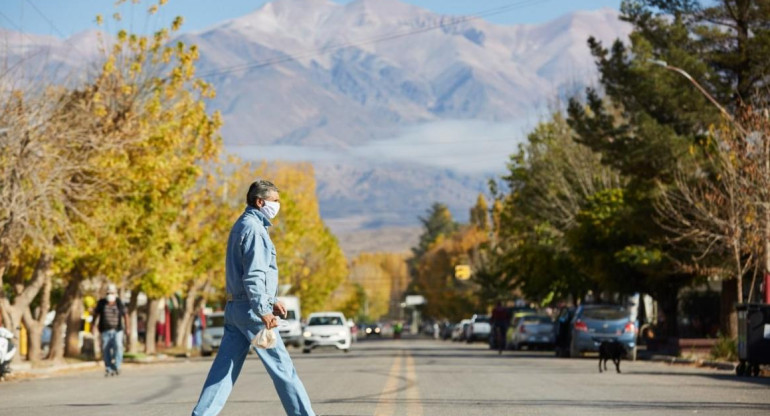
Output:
x=743 y=131
x=700 y=88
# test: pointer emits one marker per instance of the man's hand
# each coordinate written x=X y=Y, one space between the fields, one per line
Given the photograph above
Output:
x=279 y=309
x=270 y=321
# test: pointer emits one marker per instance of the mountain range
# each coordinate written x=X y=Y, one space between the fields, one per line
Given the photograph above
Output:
x=396 y=106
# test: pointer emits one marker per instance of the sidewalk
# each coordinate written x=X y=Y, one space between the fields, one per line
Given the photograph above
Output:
x=25 y=370
x=670 y=359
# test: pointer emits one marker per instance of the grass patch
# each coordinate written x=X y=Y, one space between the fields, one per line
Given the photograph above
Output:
x=134 y=356
x=726 y=349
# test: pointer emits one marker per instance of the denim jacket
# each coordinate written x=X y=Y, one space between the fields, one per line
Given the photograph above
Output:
x=250 y=266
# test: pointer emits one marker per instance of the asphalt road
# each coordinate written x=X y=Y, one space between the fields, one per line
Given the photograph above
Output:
x=407 y=377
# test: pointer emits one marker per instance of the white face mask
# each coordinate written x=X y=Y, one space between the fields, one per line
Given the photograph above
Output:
x=270 y=209
x=111 y=298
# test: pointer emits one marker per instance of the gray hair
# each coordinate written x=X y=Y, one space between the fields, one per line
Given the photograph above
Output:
x=259 y=189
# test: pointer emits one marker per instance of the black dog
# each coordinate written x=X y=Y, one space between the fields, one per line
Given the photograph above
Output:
x=611 y=350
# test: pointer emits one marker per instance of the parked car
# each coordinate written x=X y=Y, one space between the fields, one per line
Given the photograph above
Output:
x=291 y=329
x=515 y=318
x=212 y=335
x=593 y=324
x=479 y=329
x=562 y=329
x=533 y=331
x=458 y=332
x=327 y=329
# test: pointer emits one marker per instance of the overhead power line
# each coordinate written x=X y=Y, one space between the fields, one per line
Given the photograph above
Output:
x=321 y=51
x=49 y=21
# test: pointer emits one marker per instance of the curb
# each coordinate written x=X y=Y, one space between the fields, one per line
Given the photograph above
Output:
x=29 y=371
x=152 y=359
x=25 y=370
x=719 y=365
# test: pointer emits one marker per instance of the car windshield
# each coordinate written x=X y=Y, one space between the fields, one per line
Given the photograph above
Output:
x=536 y=320
x=325 y=320
x=611 y=313
x=482 y=319
x=290 y=315
x=212 y=321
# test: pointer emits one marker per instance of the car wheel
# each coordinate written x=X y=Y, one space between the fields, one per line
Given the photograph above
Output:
x=632 y=354
x=740 y=369
x=347 y=350
x=206 y=353
x=305 y=351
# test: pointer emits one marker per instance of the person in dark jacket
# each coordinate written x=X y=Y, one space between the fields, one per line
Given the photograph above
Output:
x=111 y=319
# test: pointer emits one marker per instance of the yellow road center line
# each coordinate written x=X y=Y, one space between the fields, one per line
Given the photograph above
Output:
x=414 y=406
x=387 y=403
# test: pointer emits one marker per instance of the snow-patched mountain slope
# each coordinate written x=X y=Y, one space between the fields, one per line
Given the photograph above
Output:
x=317 y=72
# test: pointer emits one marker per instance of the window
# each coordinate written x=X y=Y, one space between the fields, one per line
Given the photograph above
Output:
x=611 y=313
x=215 y=321
x=325 y=320
x=536 y=320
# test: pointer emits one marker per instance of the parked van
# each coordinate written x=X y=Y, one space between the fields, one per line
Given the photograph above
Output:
x=291 y=330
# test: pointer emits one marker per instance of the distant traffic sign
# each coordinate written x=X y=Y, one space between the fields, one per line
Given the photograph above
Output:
x=414 y=300
x=462 y=272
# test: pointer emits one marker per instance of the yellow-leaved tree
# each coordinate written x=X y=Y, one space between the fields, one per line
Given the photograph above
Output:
x=147 y=102
x=434 y=278
x=384 y=279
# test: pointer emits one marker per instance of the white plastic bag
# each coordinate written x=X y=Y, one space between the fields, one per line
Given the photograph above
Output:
x=264 y=339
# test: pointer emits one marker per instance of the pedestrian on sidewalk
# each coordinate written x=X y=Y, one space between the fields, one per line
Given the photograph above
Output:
x=251 y=278
x=500 y=320
x=111 y=319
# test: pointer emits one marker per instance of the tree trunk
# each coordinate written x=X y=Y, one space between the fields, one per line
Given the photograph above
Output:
x=34 y=335
x=62 y=316
x=35 y=324
x=5 y=304
x=13 y=312
x=75 y=316
x=184 y=322
x=669 y=305
x=192 y=303
x=152 y=320
x=728 y=314
x=133 y=334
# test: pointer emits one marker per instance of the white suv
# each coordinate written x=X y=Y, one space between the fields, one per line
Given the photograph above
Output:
x=326 y=329
x=479 y=329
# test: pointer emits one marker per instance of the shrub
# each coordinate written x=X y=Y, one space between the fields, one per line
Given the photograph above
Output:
x=726 y=349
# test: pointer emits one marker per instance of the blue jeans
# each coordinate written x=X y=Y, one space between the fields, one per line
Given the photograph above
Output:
x=241 y=325
x=112 y=349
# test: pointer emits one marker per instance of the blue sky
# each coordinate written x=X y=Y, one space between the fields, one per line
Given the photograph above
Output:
x=66 y=17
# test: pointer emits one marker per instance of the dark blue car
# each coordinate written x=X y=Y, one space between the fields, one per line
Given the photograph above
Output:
x=593 y=324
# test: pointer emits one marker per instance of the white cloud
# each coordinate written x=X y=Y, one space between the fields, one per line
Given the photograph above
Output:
x=465 y=146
